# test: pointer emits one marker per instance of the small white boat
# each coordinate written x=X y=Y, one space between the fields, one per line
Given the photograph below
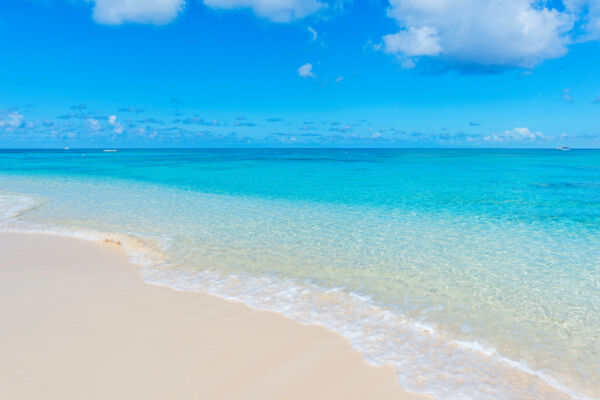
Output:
x=563 y=148
x=110 y=150
x=66 y=148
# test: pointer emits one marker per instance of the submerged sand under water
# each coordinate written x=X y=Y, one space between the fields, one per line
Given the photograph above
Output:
x=424 y=359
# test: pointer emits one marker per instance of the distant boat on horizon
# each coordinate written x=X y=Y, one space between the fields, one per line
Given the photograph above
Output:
x=563 y=148
x=110 y=150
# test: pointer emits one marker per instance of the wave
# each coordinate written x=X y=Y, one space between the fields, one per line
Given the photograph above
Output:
x=426 y=360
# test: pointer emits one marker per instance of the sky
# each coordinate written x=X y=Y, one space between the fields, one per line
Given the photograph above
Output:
x=299 y=73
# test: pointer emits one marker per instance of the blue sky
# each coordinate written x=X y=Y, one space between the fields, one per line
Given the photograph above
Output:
x=299 y=73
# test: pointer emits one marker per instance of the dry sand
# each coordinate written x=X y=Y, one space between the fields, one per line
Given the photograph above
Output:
x=78 y=322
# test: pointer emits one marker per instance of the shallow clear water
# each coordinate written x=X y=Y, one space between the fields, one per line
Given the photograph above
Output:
x=476 y=273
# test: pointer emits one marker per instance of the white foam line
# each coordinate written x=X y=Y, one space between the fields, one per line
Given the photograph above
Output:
x=219 y=287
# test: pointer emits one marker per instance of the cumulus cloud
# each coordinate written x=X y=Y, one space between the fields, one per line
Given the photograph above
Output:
x=305 y=71
x=423 y=41
x=117 y=127
x=274 y=10
x=94 y=124
x=515 y=135
x=115 y=12
x=12 y=120
x=519 y=33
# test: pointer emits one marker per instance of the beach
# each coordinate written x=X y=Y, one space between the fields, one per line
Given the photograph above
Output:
x=463 y=274
x=78 y=322
x=302 y=199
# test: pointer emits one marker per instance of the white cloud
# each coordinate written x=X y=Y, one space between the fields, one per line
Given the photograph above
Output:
x=115 y=12
x=484 y=32
x=423 y=41
x=12 y=120
x=274 y=10
x=587 y=13
x=117 y=127
x=339 y=79
x=94 y=124
x=305 y=71
x=313 y=33
x=515 y=135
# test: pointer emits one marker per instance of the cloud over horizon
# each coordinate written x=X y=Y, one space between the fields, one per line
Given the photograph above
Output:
x=238 y=130
x=12 y=120
x=515 y=135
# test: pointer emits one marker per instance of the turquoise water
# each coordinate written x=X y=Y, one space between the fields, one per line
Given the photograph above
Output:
x=475 y=273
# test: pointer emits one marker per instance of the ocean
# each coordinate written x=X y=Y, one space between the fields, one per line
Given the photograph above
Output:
x=475 y=273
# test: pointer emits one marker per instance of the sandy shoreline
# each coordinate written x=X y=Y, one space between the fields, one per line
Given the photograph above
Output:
x=77 y=322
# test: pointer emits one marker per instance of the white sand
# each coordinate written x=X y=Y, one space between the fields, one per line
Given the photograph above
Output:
x=77 y=322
